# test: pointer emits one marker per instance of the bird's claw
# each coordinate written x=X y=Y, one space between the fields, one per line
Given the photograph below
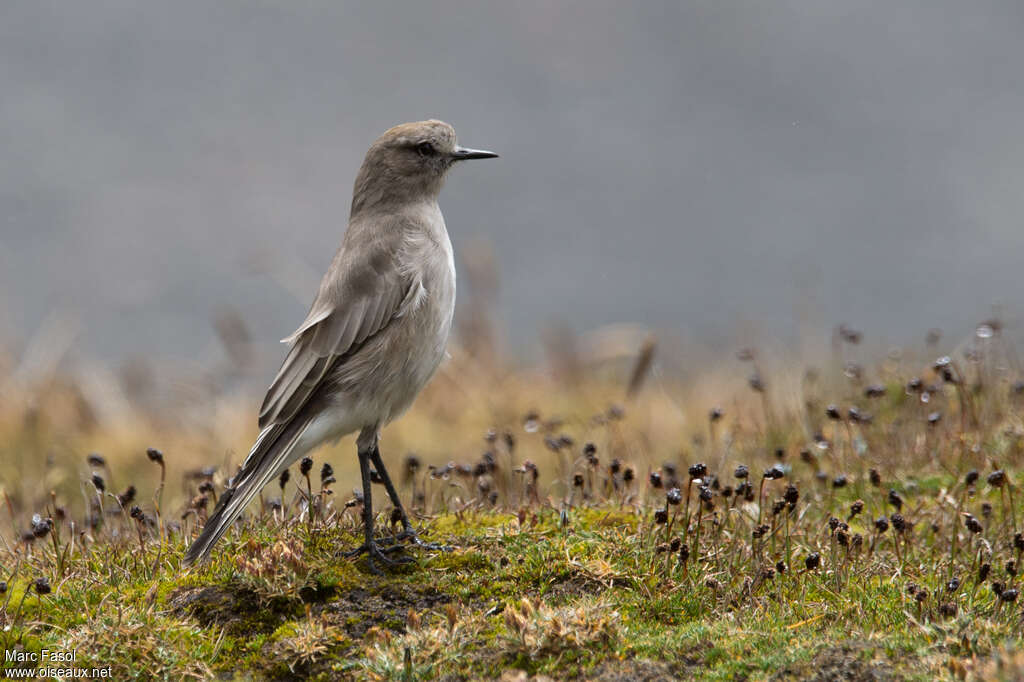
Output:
x=410 y=534
x=374 y=552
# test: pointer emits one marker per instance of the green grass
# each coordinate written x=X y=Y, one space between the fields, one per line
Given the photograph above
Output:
x=586 y=599
x=554 y=578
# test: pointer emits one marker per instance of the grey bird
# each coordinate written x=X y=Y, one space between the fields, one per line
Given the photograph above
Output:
x=375 y=334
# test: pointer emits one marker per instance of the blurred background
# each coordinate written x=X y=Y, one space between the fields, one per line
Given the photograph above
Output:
x=176 y=176
x=700 y=167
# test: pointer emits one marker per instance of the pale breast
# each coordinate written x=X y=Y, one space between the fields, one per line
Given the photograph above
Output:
x=415 y=343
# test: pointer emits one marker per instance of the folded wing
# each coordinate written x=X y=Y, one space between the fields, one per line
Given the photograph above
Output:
x=349 y=309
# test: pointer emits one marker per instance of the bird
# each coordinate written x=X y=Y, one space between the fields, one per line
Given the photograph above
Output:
x=375 y=333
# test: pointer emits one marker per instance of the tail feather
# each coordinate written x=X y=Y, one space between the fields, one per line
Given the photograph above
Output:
x=268 y=457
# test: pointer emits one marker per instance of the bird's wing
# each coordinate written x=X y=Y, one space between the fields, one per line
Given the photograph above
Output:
x=356 y=301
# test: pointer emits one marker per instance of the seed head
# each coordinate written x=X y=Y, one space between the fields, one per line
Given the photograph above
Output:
x=615 y=466
x=95 y=459
x=41 y=527
x=881 y=524
x=973 y=524
x=1009 y=595
x=655 y=479
x=839 y=481
x=774 y=472
x=674 y=496
x=628 y=475
x=1011 y=567
x=983 y=572
x=874 y=391
x=899 y=524
x=856 y=508
x=895 y=499
x=780 y=567
x=282 y=480
x=698 y=470
x=832 y=412
x=577 y=480
x=972 y=477
x=661 y=517
x=42 y=585
x=715 y=414
x=305 y=466
x=155 y=455
x=326 y=474
x=875 y=477
x=997 y=478
x=742 y=471
x=127 y=497
x=97 y=481
x=1018 y=542
x=953 y=585
x=812 y=561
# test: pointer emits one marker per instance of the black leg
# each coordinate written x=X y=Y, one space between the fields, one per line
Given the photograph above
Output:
x=364 y=471
x=408 y=532
x=378 y=464
x=369 y=545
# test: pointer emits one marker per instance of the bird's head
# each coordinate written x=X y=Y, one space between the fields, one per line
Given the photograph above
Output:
x=409 y=162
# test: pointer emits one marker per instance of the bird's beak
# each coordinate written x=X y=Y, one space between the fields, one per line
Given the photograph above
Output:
x=462 y=154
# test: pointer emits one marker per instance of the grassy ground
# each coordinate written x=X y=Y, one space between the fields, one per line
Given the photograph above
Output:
x=860 y=531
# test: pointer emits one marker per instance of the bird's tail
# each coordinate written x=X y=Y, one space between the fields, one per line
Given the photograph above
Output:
x=268 y=457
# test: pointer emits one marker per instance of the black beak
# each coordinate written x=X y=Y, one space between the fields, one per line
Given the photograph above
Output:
x=462 y=154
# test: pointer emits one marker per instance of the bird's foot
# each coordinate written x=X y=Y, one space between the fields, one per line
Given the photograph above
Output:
x=409 y=533
x=376 y=552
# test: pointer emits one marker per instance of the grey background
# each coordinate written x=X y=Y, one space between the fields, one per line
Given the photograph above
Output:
x=696 y=166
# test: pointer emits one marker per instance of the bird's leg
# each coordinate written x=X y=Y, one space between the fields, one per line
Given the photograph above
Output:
x=408 y=532
x=369 y=545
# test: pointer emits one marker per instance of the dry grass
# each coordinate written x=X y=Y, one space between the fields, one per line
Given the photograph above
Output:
x=598 y=533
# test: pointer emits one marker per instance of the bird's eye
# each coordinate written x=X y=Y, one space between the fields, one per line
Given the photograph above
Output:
x=425 y=149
